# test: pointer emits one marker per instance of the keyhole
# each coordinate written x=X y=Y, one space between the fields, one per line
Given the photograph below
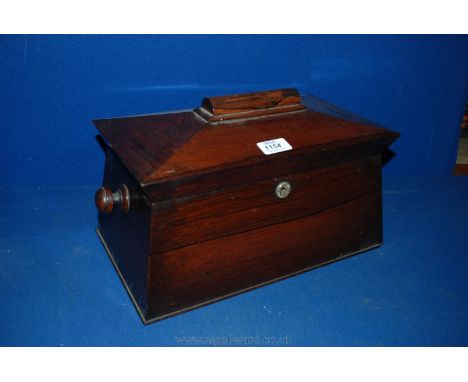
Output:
x=283 y=189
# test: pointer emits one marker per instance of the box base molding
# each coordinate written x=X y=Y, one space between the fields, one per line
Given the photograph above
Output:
x=192 y=307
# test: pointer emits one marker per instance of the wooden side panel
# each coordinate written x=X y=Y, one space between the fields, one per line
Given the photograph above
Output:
x=181 y=222
x=126 y=235
x=202 y=273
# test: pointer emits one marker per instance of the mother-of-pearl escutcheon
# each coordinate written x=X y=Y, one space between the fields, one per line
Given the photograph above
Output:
x=274 y=146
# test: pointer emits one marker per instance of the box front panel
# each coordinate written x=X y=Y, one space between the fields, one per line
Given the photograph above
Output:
x=186 y=221
x=301 y=237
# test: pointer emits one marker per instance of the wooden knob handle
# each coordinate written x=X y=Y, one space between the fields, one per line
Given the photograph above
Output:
x=106 y=199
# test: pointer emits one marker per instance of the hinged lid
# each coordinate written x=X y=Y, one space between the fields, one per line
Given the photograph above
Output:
x=220 y=144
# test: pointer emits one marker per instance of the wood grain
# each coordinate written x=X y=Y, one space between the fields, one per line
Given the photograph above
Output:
x=180 y=222
x=199 y=273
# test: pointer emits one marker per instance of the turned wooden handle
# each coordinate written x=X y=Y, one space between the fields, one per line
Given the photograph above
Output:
x=106 y=199
x=250 y=105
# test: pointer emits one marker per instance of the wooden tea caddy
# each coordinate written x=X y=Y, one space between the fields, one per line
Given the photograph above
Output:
x=248 y=189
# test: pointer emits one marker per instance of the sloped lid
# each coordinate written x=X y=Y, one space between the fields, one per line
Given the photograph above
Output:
x=164 y=148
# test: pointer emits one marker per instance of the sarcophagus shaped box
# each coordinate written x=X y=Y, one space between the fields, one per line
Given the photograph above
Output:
x=248 y=189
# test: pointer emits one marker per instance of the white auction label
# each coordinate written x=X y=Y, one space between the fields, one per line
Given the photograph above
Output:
x=274 y=146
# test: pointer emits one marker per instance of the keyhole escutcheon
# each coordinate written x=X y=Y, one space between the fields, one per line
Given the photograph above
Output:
x=283 y=189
